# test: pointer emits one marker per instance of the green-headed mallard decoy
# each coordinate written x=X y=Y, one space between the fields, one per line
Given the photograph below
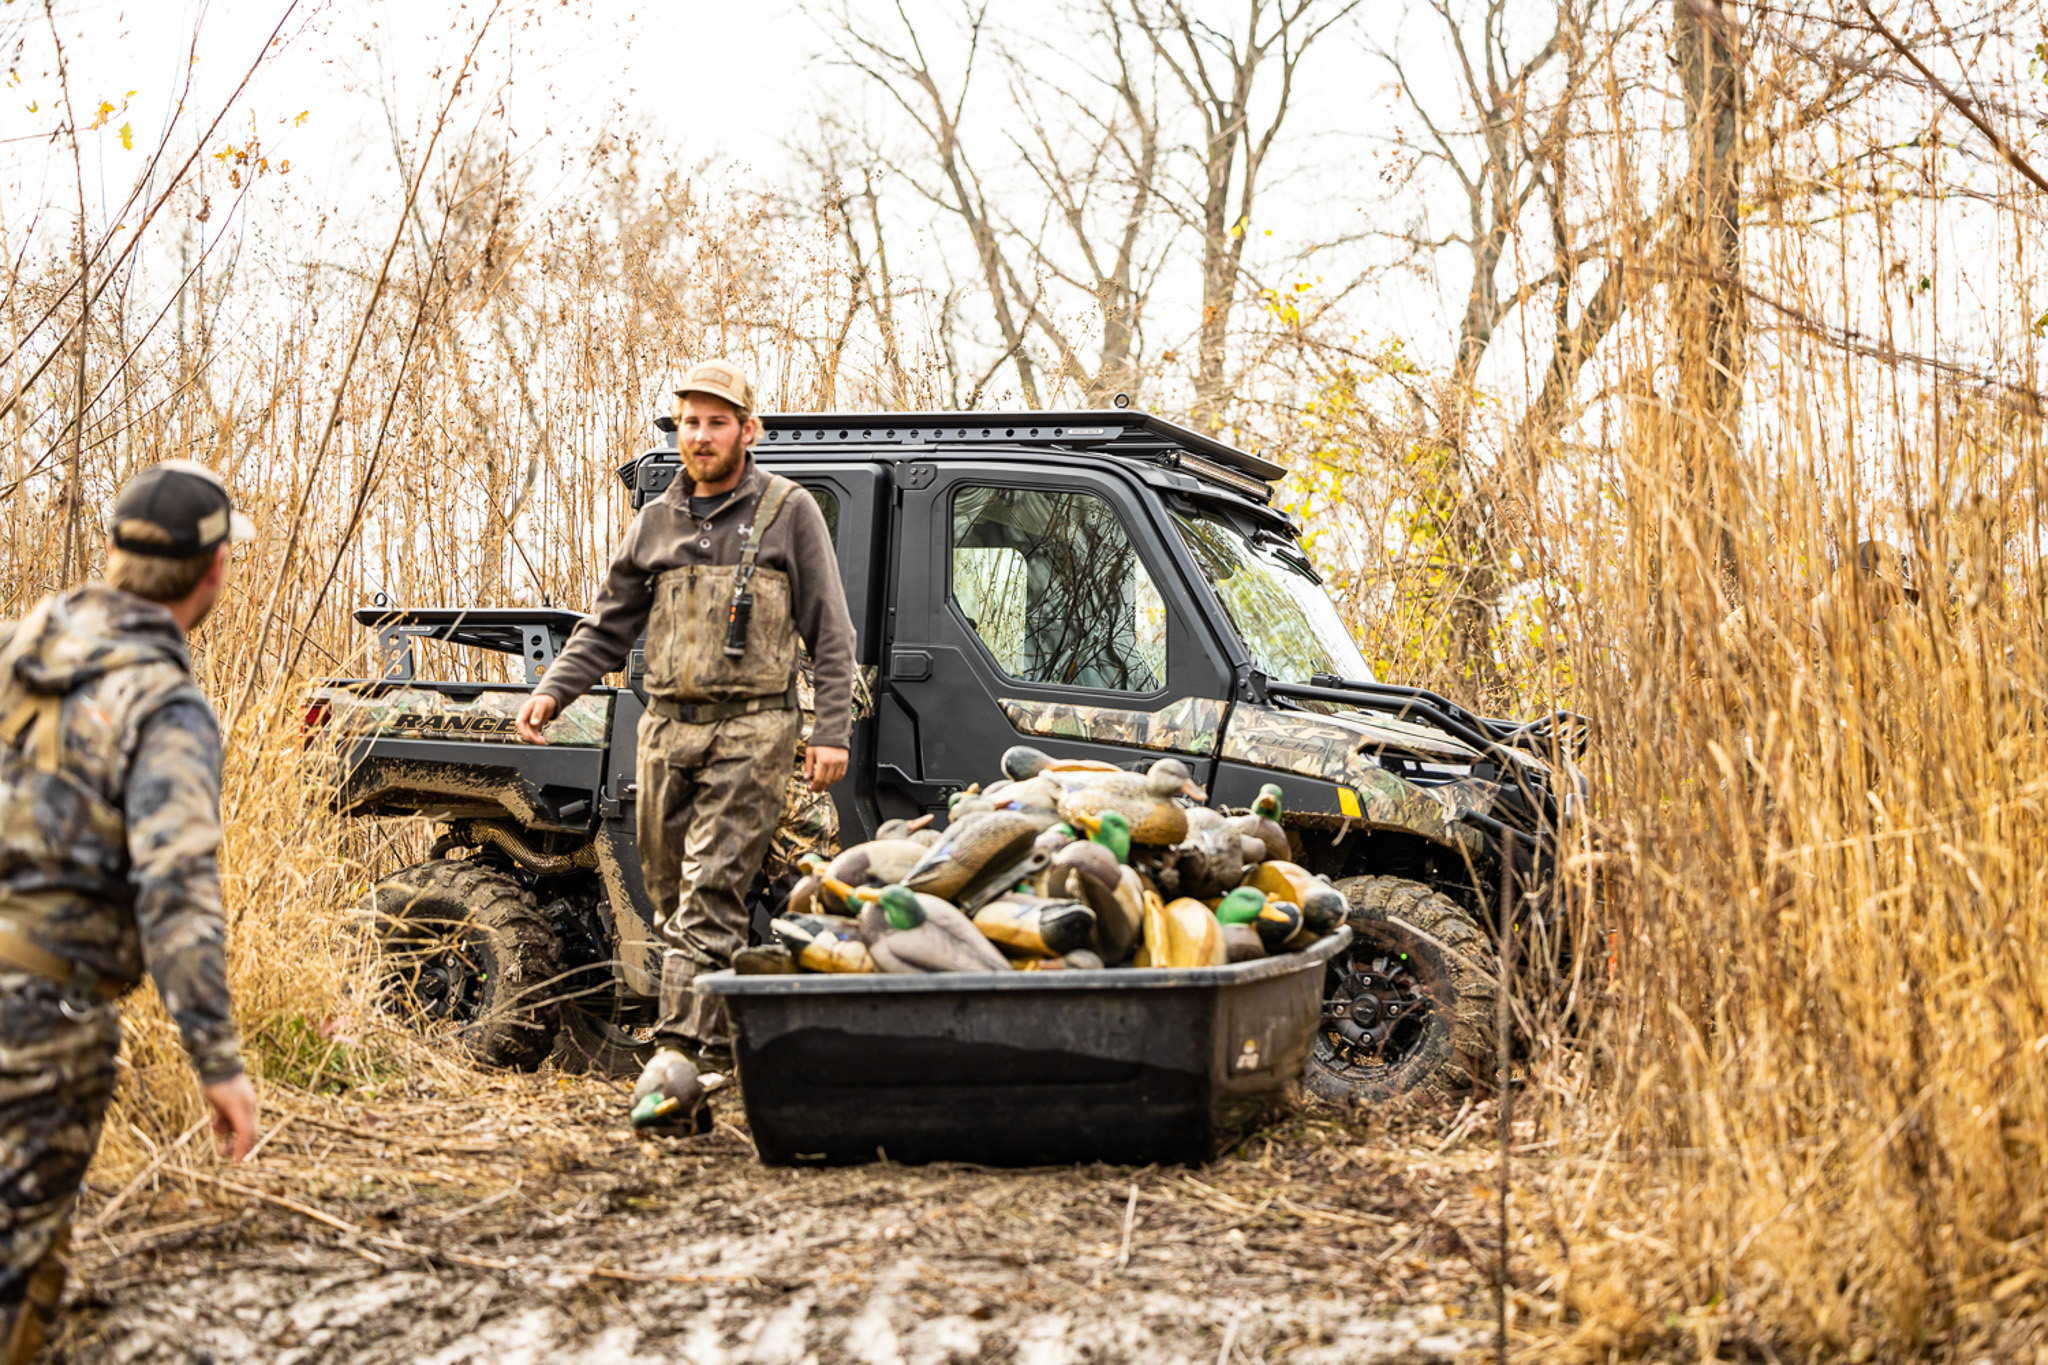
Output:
x=908 y=933
x=823 y=943
x=1263 y=824
x=1278 y=922
x=972 y=852
x=1241 y=906
x=671 y=1093
x=1031 y=926
x=1144 y=799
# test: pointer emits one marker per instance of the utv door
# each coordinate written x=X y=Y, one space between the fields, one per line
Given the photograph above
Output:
x=852 y=497
x=1036 y=607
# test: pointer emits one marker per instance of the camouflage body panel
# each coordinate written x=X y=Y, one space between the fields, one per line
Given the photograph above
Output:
x=420 y=713
x=1187 y=726
x=1328 y=747
x=110 y=816
x=56 y=1077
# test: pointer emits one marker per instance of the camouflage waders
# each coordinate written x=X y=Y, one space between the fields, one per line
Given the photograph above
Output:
x=56 y=1077
x=710 y=796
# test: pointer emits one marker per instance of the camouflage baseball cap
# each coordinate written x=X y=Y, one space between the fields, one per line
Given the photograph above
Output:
x=176 y=510
x=719 y=379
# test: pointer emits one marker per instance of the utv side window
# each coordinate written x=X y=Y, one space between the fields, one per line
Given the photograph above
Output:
x=1054 y=588
x=828 y=504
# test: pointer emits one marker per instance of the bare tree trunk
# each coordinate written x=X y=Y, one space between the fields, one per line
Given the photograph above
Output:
x=1708 y=300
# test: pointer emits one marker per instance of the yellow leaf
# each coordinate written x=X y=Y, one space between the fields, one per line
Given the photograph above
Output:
x=303 y=114
x=106 y=108
x=127 y=138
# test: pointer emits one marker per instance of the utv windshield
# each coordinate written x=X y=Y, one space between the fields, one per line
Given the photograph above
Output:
x=1273 y=597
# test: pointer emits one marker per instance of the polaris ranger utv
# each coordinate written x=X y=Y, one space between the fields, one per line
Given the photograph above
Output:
x=1103 y=585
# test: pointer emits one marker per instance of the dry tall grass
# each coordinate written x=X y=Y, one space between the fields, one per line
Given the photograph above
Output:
x=1808 y=1121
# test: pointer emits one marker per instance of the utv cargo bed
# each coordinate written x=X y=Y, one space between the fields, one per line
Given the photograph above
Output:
x=1022 y=1068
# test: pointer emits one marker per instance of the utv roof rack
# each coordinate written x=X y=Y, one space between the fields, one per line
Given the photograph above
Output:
x=1125 y=432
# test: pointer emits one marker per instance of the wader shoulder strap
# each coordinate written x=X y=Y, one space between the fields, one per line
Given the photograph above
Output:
x=43 y=713
x=772 y=497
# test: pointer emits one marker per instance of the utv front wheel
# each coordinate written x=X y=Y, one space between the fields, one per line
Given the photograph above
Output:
x=465 y=944
x=1408 y=1008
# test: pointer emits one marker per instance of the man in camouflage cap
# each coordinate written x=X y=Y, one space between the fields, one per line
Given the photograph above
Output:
x=723 y=720
x=110 y=764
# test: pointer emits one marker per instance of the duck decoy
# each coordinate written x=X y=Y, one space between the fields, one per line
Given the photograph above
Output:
x=1241 y=943
x=1037 y=798
x=763 y=959
x=1090 y=872
x=878 y=862
x=1283 y=880
x=907 y=933
x=1021 y=763
x=1080 y=960
x=1278 y=924
x=1207 y=863
x=1324 y=908
x=919 y=830
x=1262 y=824
x=1051 y=841
x=671 y=1094
x=823 y=943
x=803 y=897
x=1241 y=906
x=1181 y=933
x=1029 y=926
x=974 y=853
x=1144 y=799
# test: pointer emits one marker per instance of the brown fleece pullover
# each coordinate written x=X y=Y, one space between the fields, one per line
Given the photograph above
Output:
x=666 y=536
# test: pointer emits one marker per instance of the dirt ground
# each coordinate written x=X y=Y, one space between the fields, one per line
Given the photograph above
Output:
x=522 y=1221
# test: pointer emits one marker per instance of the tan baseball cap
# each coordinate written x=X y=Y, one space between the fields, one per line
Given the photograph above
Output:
x=719 y=379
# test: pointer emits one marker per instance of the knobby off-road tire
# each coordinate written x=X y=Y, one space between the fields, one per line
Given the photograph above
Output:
x=1409 y=1007
x=465 y=943
x=591 y=1042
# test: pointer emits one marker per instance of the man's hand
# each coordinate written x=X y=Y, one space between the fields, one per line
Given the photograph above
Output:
x=538 y=711
x=234 y=1114
x=824 y=766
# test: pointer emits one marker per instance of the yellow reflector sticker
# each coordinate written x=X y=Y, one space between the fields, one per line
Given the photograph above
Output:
x=1347 y=801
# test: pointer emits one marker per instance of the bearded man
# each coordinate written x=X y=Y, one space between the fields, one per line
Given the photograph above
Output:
x=725 y=572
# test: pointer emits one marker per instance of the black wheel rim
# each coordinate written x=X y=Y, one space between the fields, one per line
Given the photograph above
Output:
x=437 y=977
x=1377 y=1011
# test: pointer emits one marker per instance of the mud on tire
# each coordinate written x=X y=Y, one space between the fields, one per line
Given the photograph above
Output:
x=1409 y=1007
x=465 y=944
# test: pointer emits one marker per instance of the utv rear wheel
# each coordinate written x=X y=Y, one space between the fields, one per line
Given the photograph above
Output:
x=464 y=944
x=1408 y=1007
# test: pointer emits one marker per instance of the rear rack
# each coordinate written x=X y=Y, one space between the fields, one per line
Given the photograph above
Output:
x=1122 y=432
x=535 y=634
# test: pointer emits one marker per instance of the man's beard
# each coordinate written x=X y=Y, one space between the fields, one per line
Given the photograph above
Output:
x=714 y=464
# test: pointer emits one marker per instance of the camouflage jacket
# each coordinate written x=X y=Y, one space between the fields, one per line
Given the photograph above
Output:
x=110 y=805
